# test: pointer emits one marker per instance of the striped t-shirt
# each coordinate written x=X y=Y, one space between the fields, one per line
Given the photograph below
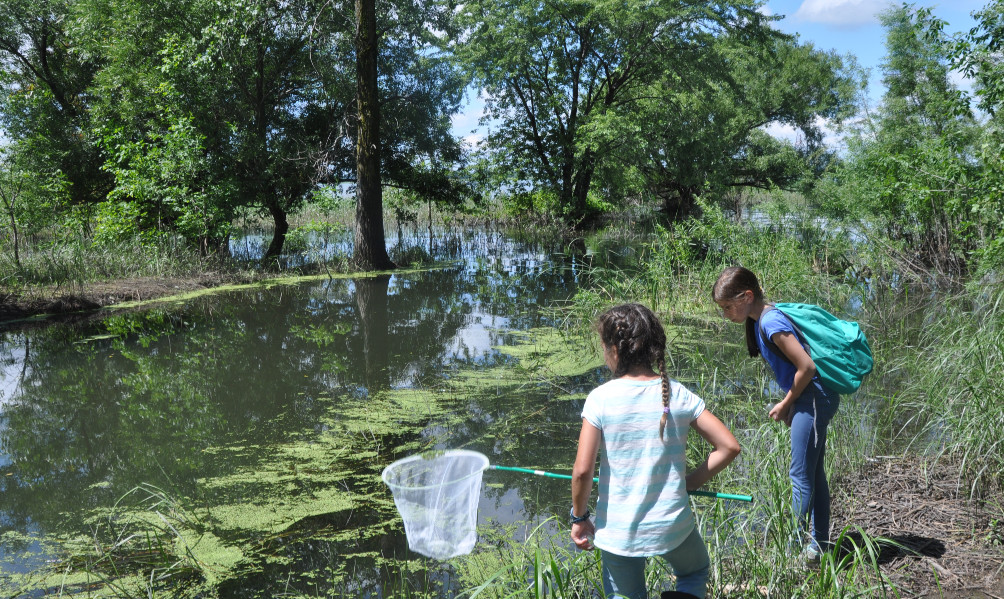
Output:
x=643 y=507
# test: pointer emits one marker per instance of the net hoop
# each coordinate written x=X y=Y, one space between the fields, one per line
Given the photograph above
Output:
x=448 y=454
x=437 y=495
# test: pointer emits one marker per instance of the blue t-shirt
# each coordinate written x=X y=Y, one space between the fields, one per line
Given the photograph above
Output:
x=643 y=508
x=773 y=322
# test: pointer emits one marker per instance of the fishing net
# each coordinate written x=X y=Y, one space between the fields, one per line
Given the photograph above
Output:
x=437 y=496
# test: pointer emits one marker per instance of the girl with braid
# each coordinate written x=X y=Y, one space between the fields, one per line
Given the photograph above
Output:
x=638 y=423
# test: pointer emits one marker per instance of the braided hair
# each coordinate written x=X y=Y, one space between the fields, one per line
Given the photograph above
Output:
x=639 y=338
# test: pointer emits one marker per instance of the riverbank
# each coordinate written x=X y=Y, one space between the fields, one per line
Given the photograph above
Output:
x=81 y=299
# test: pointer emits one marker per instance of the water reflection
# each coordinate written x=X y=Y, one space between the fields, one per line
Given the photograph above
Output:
x=269 y=412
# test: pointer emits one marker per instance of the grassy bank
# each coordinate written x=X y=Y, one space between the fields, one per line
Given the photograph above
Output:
x=934 y=397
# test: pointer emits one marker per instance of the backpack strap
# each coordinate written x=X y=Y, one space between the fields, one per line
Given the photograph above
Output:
x=773 y=346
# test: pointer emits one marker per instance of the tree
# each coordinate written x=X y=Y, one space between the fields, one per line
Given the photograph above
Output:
x=406 y=91
x=977 y=53
x=370 y=248
x=711 y=138
x=152 y=96
x=45 y=96
x=913 y=169
x=207 y=109
x=549 y=70
x=27 y=197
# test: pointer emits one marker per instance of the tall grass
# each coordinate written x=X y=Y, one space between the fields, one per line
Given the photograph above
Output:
x=682 y=262
x=753 y=548
x=74 y=261
x=544 y=564
x=958 y=390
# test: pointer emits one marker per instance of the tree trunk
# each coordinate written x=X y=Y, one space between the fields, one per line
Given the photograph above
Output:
x=279 y=234
x=580 y=190
x=679 y=202
x=370 y=251
x=9 y=206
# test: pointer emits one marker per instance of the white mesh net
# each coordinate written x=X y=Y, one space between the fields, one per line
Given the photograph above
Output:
x=437 y=496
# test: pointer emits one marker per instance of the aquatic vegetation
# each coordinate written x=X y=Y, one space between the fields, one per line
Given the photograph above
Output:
x=181 y=298
x=299 y=507
x=295 y=491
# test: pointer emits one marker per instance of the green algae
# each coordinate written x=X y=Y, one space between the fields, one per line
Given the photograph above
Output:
x=182 y=298
x=277 y=492
x=550 y=353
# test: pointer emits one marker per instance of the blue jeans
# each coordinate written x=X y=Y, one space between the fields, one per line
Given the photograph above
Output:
x=625 y=576
x=813 y=411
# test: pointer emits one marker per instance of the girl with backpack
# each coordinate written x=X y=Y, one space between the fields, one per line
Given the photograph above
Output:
x=638 y=422
x=807 y=406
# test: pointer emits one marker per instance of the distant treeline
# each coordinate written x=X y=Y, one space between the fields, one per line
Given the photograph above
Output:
x=126 y=119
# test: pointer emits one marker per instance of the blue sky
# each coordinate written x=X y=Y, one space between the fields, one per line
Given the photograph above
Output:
x=846 y=26
x=852 y=26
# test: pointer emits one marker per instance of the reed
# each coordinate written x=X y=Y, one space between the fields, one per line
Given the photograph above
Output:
x=957 y=392
x=75 y=261
x=541 y=565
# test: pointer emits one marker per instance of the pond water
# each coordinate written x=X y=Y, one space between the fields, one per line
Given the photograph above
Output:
x=254 y=423
x=248 y=428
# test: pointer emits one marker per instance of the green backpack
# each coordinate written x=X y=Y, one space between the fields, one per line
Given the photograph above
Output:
x=838 y=347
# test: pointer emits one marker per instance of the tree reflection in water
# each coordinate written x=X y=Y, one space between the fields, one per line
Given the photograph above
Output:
x=268 y=413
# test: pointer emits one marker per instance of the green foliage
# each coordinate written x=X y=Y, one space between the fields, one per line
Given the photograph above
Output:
x=29 y=199
x=195 y=110
x=533 y=202
x=646 y=97
x=45 y=95
x=554 y=72
x=976 y=54
x=312 y=236
x=712 y=139
x=921 y=172
x=164 y=178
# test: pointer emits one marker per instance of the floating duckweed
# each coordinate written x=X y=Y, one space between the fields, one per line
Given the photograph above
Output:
x=552 y=353
x=269 y=283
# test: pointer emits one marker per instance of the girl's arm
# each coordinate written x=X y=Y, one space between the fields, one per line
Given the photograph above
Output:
x=724 y=449
x=805 y=370
x=582 y=482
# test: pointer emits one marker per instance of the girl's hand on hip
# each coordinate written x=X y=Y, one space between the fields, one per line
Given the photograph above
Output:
x=582 y=533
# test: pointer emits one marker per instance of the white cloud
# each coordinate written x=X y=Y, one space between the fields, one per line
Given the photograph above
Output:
x=959 y=79
x=782 y=131
x=831 y=138
x=473 y=140
x=846 y=13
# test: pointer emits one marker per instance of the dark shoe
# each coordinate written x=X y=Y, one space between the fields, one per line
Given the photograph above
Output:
x=676 y=595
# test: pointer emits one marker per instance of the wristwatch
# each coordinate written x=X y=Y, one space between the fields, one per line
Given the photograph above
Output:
x=581 y=518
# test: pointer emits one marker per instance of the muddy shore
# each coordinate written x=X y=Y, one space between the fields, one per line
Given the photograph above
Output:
x=62 y=302
x=934 y=540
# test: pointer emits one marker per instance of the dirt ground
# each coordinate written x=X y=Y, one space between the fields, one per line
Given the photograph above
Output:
x=82 y=300
x=935 y=541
